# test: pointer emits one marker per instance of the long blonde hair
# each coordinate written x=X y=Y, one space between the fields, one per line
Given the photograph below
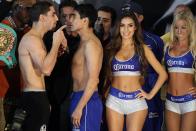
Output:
x=191 y=26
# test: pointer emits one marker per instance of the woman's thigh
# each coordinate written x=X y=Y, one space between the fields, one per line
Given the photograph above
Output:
x=115 y=120
x=135 y=121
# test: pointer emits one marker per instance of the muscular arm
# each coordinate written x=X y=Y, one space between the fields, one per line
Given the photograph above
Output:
x=158 y=68
x=93 y=55
x=40 y=58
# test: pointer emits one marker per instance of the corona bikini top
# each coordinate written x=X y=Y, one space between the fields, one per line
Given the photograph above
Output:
x=130 y=67
x=182 y=64
x=8 y=40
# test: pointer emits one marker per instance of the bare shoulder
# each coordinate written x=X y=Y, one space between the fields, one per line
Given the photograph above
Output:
x=146 y=49
x=30 y=41
x=94 y=44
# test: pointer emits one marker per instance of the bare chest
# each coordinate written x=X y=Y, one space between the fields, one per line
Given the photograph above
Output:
x=78 y=59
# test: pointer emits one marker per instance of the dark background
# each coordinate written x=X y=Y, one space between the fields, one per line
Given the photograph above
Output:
x=153 y=11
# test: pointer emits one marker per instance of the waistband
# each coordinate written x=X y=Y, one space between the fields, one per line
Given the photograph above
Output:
x=181 y=70
x=126 y=73
x=123 y=95
x=180 y=99
x=78 y=95
x=33 y=90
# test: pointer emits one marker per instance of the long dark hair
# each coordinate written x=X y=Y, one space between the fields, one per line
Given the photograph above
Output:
x=116 y=43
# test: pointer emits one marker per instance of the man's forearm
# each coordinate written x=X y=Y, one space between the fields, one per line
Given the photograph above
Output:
x=50 y=60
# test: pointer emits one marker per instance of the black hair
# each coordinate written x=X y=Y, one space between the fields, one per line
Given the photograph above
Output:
x=111 y=11
x=39 y=8
x=87 y=10
x=67 y=3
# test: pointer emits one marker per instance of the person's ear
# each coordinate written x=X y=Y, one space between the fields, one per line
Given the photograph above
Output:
x=41 y=18
x=86 y=20
x=140 y=18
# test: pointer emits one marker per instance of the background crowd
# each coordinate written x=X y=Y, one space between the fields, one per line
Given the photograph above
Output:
x=162 y=53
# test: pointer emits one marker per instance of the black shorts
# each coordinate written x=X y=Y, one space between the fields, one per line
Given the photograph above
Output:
x=37 y=106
